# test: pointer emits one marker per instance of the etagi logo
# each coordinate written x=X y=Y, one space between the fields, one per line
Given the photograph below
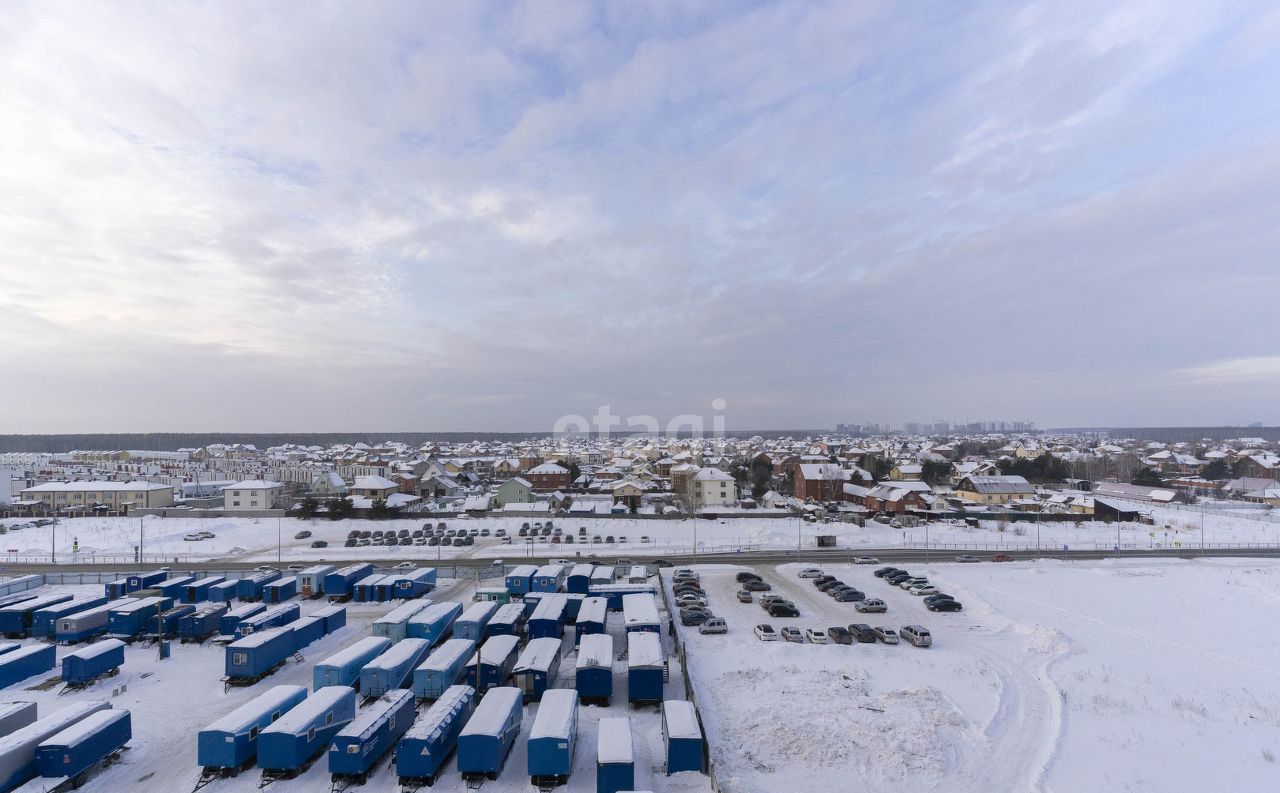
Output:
x=604 y=424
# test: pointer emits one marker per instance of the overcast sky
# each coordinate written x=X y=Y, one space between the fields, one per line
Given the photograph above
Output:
x=438 y=216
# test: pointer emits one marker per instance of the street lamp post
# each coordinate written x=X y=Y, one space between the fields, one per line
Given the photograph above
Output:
x=279 y=541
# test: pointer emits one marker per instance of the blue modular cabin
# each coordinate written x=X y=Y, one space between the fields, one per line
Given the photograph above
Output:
x=473 y=622
x=249 y=588
x=127 y=620
x=640 y=613
x=602 y=575
x=268 y=618
x=508 y=620
x=615 y=756
x=80 y=746
x=593 y=617
x=175 y=588
x=338 y=584
x=279 y=590
x=306 y=630
x=343 y=667
x=359 y=746
x=536 y=667
x=8 y=647
x=414 y=583
x=593 y=673
x=223 y=592
x=550 y=578
x=579 y=579
x=486 y=739
x=572 y=604
x=44 y=622
x=366 y=589
x=18 y=597
x=231 y=620
x=201 y=623
x=443 y=668
x=644 y=667
x=520 y=579
x=15 y=716
x=395 y=623
x=18 y=748
x=385 y=589
x=394 y=668
x=198 y=591
x=548 y=617
x=231 y=742
x=427 y=745
x=434 y=621
x=290 y=744
x=682 y=736
x=493 y=663
x=257 y=655
x=553 y=738
x=334 y=617
x=16 y=619
x=116 y=589
x=145 y=580
x=25 y=662
x=311 y=580
x=614 y=593
x=92 y=662
x=166 y=624
x=85 y=624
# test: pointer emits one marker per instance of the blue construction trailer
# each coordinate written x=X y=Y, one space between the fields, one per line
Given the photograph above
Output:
x=366 y=589
x=520 y=579
x=86 y=624
x=473 y=622
x=272 y=617
x=444 y=667
x=508 y=620
x=338 y=584
x=385 y=590
x=395 y=623
x=435 y=621
x=645 y=668
x=144 y=580
x=414 y=583
x=166 y=625
x=79 y=747
x=614 y=593
x=257 y=655
x=25 y=662
x=15 y=716
x=288 y=746
x=223 y=592
x=201 y=623
x=306 y=630
x=593 y=617
x=279 y=590
x=175 y=588
x=311 y=580
x=358 y=747
x=536 y=667
x=8 y=647
x=231 y=743
x=485 y=741
x=343 y=667
x=601 y=576
x=550 y=578
x=640 y=613
x=131 y=620
x=425 y=748
x=231 y=620
x=548 y=618
x=100 y=659
x=579 y=579
x=16 y=619
x=615 y=756
x=18 y=749
x=116 y=589
x=593 y=673
x=682 y=736
x=493 y=663
x=334 y=617
x=553 y=738
x=394 y=668
x=198 y=591
x=44 y=623
x=249 y=588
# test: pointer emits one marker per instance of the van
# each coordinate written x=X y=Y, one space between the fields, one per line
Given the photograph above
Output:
x=916 y=635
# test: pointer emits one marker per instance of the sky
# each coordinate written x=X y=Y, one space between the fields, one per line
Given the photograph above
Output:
x=278 y=216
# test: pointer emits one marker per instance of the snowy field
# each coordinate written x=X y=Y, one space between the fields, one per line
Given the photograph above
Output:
x=1156 y=676
x=260 y=539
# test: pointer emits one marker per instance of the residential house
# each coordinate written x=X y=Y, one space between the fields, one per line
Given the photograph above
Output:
x=327 y=484
x=714 y=488
x=107 y=496
x=548 y=477
x=516 y=490
x=374 y=487
x=253 y=494
x=994 y=489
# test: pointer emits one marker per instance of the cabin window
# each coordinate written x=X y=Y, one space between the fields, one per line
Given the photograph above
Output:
x=353 y=748
x=328 y=719
x=311 y=734
x=276 y=715
x=239 y=659
x=253 y=733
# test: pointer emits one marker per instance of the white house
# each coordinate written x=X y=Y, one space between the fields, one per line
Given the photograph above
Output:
x=252 y=494
x=714 y=488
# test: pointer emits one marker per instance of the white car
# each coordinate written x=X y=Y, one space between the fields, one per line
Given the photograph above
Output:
x=913 y=582
x=192 y=538
x=815 y=635
x=406 y=566
x=792 y=634
x=691 y=599
x=766 y=633
x=714 y=625
x=810 y=572
x=866 y=560
x=919 y=590
x=560 y=561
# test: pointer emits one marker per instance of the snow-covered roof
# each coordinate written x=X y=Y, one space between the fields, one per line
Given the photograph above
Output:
x=639 y=609
x=614 y=741
x=681 y=719
x=595 y=650
x=299 y=717
x=548 y=468
x=255 y=484
x=374 y=483
x=712 y=474
x=644 y=648
x=496 y=648
x=75 y=734
x=447 y=654
x=491 y=714
x=93 y=485
x=538 y=654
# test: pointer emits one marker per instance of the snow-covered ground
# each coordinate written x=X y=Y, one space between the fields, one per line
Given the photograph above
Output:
x=1057 y=676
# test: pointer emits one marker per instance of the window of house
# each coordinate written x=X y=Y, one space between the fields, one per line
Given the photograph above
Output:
x=235 y=503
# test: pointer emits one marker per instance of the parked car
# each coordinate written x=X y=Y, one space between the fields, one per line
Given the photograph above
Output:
x=350 y=543
x=783 y=609
x=866 y=560
x=863 y=633
x=896 y=578
x=354 y=534
x=319 y=544
x=1002 y=557
x=916 y=635
x=468 y=540
x=871 y=606
x=967 y=558
x=909 y=583
x=756 y=586
x=839 y=635
x=714 y=625
x=694 y=617
x=595 y=538
x=744 y=577
x=886 y=635
x=302 y=535
x=810 y=572
x=523 y=532
x=609 y=538
x=644 y=539
x=884 y=571
x=500 y=533
x=944 y=605
x=923 y=589
x=766 y=633
x=815 y=635
x=792 y=634
x=436 y=540
x=823 y=579
x=484 y=532
x=690 y=599
x=768 y=600
x=744 y=596
x=849 y=595
x=446 y=541
x=830 y=585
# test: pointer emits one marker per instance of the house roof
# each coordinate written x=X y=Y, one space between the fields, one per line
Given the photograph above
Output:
x=997 y=484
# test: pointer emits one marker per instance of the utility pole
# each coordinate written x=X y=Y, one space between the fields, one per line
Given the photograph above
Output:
x=53 y=543
x=279 y=541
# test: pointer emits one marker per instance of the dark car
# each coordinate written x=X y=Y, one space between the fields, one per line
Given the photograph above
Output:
x=446 y=541
x=406 y=541
x=364 y=535
x=694 y=617
x=354 y=534
x=319 y=544
x=524 y=531
x=418 y=533
x=863 y=633
x=944 y=605
x=938 y=596
x=433 y=541
x=609 y=538
x=839 y=635
x=468 y=540
x=783 y=610
x=744 y=577
x=884 y=571
x=744 y=596
x=351 y=542
x=849 y=596
x=898 y=577
x=823 y=579
x=756 y=585
x=402 y=533
x=832 y=584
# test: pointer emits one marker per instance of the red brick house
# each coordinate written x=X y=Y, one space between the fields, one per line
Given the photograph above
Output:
x=548 y=477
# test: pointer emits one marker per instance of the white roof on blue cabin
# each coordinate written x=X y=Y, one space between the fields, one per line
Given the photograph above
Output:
x=595 y=649
x=430 y=721
x=523 y=570
x=614 y=742
x=479 y=611
x=603 y=571
x=400 y=652
x=549 y=571
x=24 y=651
x=639 y=609
x=435 y=611
x=247 y=610
x=556 y=714
x=50 y=725
x=496 y=648
x=508 y=612
x=354 y=651
x=493 y=710
x=538 y=654
x=258 y=638
x=447 y=653
x=582 y=569
x=96 y=610
x=644 y=648
x=87 y=726
x=681 y=718
x=300 y=715
x=208 y=581
x=35 y=604
x=96 y=649
x=320 y=569
x=593 y=609
x=9 y=708
x=402 y=613
x=369 y=717
x=552 y=603
x=370 y=580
